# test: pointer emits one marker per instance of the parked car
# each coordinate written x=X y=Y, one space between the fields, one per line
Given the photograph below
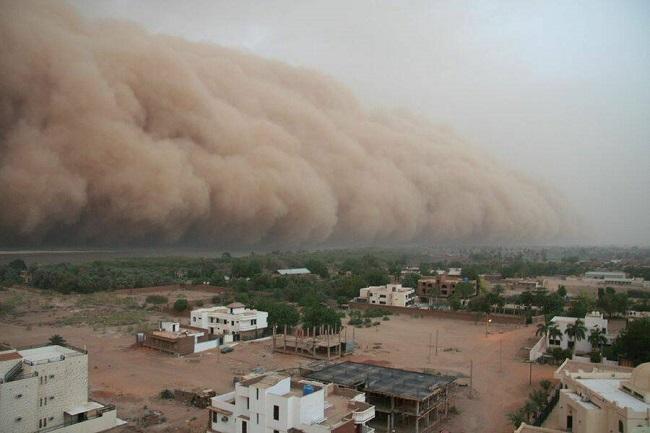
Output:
x=226 y=349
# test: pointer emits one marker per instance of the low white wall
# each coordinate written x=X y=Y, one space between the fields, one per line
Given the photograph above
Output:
x=206 y=345
x=106 y=421
x=538 y=349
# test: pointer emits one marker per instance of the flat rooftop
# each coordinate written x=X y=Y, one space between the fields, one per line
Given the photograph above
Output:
x=45 y=353
x=382 y=380
x=609 y=390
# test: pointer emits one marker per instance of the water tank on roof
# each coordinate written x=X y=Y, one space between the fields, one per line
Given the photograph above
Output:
x=308 y=389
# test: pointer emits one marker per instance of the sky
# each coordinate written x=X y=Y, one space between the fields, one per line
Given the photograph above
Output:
x=558 y=90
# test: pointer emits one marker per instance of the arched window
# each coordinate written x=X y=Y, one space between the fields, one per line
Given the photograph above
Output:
x=621 y=427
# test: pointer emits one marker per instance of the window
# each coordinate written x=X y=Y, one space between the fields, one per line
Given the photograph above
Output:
x=621 y=427
x=248 y=403
x=257 y=393
x=257 y=416
x=254 y=322
x=244 y=427
x=276 y=412
x=194 y=319
x=215 y=417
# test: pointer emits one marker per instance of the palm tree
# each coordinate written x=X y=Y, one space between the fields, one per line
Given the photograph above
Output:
x=542 y=329
x=57 y=340
x=516 y=418
x=597 y=338
x=539 y=397
x=554 y=333
x=546 y=385
x=530 y=409
x=576 y=331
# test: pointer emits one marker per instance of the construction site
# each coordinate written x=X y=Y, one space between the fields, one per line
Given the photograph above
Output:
x=405 y=401
x=323 y=343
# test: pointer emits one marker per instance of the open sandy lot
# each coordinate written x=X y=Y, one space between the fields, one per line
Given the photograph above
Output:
x=132 y=378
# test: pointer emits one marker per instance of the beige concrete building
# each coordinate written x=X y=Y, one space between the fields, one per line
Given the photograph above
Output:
x=46 y=389
x=390 y=294
x=601 y=399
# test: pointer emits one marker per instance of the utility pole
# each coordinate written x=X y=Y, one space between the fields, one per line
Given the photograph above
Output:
x=471 y=374
x=436 y=342
x=500 y=355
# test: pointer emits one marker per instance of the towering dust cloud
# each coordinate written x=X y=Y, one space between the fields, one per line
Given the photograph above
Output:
x=109 y=134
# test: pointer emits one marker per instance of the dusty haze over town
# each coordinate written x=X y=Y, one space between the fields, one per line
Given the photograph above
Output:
x=281 y=123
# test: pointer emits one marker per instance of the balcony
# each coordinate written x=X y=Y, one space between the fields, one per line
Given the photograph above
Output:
x=362 y=412
x=224 y=402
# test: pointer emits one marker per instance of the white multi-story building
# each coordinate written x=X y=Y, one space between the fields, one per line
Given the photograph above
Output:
x=599 y=399
x=274 y=403
x=593 y=320
x=46 y=389
x=234 y=319
x=390 y=294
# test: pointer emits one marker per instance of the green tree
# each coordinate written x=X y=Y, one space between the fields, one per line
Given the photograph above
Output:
x=317 y=315
x=465 y=289
x=633 y=343
x=575 y=331
x=516 y=418
x=542 y=329
x=597 y=338
x=581 y=305
x=57 y=340
x=411 y=280
x=317 y=267
x=561 y=291
x=181 y=305
x=280 y=314
x=554 y=333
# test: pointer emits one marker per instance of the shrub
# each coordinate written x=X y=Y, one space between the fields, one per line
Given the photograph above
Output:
x=199 y=303
x=595 y=356
x=181 y=305
x=355 y=321
x=166 y=394
x=385 y=318
x=56 y=339
x=157 y=299
x=216 y=299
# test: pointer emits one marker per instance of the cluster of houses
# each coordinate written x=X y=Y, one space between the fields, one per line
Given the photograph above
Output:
x=429 y=288
x=209 y=328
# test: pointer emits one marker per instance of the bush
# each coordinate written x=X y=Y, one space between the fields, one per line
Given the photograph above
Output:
x=199 y=303
x=156 y=299
x=166 y=394
x=356 y=321
x=377 y=312
x=181 y=305
x=595 y=356
x=385 y=318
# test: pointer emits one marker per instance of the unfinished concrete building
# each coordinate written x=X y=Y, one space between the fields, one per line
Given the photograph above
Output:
x=317 y=343
x=405 y=401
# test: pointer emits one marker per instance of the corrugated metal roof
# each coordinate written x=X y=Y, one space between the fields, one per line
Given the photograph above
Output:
x=294 y=271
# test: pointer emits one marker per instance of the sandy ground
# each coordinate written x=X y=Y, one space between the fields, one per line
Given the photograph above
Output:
x=132 y=378
x=500 y=382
